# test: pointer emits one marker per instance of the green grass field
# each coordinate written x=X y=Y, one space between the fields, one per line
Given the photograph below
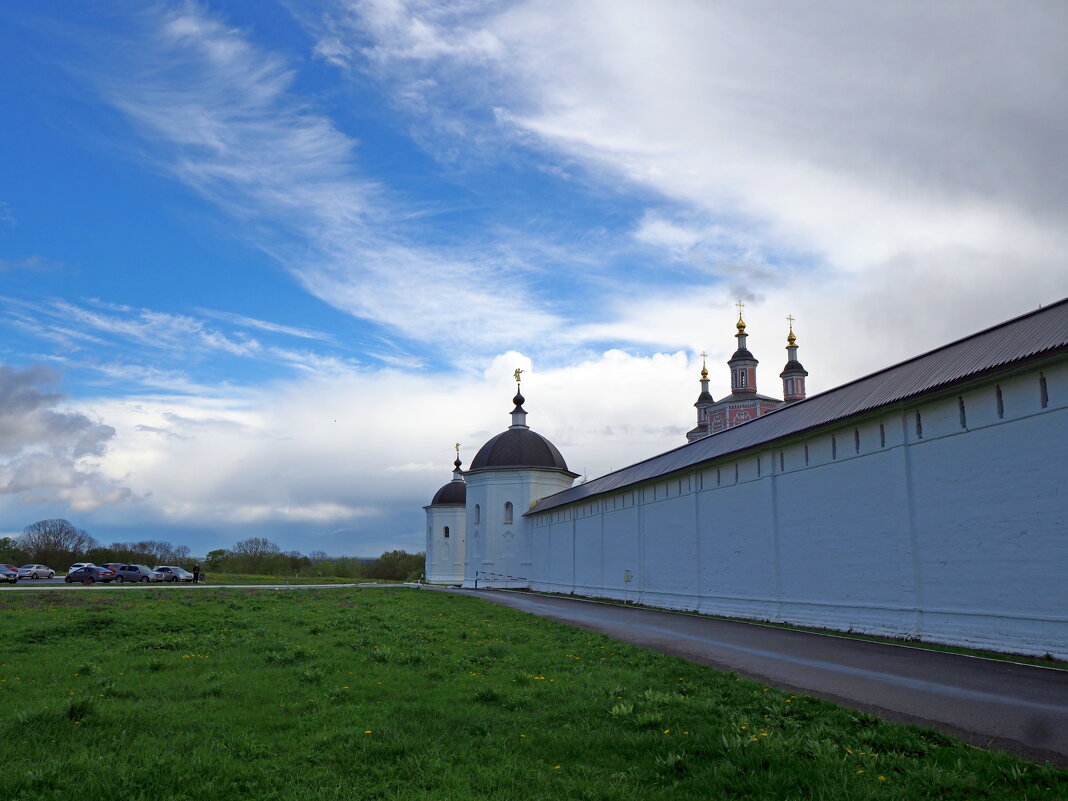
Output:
x=397 y=693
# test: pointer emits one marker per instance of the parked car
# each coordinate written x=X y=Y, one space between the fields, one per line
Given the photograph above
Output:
x=90 y=574
x=36 y=572
x=8 y=574
x=113 y=566
x=172 y=573
x=137 y=573
x=79 y=566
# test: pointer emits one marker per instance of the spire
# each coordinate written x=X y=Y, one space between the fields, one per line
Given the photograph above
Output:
x=793 y=375
x=519 y=414
x=705 y=398
x=457 y=473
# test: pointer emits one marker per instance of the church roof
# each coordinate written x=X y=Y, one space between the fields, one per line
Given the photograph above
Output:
x=518 y=447
x=744 y=397
x=452 y=494
x=1039 y=333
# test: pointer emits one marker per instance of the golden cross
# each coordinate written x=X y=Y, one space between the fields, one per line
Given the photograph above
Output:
x=740 y=306
x=457 y=448
x=790 y=318
x=518 y=372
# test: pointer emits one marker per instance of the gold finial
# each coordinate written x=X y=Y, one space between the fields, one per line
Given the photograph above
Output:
x=518 y=372
x=457 y=448
x=741 y=322
x=704 y=367
x=791 y=339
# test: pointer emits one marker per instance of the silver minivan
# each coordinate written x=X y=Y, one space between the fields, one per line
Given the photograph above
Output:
x=136 y=573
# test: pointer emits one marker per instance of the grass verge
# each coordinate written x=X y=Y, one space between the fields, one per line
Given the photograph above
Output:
x=250 y=578
x=342 y=694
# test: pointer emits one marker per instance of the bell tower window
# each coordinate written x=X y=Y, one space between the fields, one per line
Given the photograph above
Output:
x=508 y=513
x=446 y=532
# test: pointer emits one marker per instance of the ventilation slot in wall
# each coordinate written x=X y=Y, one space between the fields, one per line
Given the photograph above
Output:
x=963 y=414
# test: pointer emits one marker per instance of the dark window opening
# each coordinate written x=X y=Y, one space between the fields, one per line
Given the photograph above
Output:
x=919 y=426
x=806 y=455
x=963 y=414
x=782 y=461
x=834 y=448
x=882 y=436
x=1001 y=402
x=1043 y=390
x=856 y=440
x=446 y=532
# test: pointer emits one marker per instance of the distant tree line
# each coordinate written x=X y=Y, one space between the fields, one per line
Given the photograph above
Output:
x=58 y=544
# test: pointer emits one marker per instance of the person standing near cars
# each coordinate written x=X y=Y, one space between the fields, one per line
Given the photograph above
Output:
x=196 y=573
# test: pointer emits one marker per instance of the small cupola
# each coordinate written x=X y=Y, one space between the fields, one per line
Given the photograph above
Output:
x=793 y=375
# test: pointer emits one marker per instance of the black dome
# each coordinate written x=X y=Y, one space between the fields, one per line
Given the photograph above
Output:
x=452 y=494
x=742 y=353
x=793 y=368
x=518 y=447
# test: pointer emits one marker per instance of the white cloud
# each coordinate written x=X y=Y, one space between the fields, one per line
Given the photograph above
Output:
x=869 y=160
x=49 y=456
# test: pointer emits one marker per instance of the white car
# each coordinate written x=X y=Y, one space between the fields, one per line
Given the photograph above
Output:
x=172 y=573
x=79 y=566
x=36 y=572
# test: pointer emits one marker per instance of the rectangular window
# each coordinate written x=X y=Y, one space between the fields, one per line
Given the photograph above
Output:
x=963 y=414
x=806 y=455
x=856 y=440
x=834 y=448
x=882 y=436
x=1043 y=390
x=719 y=478
x=782 y=462
x=919 y=426
x=1001 y=402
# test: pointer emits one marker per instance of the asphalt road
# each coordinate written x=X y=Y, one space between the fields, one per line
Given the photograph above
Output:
x=991 y=703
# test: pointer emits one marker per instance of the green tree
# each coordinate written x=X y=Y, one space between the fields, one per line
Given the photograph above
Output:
x=10 y=552
x=397 y=566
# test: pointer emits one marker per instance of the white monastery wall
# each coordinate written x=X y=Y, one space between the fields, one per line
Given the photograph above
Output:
x=923 y=521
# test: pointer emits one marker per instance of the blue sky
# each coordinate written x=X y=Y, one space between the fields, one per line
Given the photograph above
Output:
x=262 y=263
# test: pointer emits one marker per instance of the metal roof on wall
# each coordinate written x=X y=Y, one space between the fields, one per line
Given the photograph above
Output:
x=1038 y=333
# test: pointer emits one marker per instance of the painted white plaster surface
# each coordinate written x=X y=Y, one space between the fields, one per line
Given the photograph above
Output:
x=949 y=528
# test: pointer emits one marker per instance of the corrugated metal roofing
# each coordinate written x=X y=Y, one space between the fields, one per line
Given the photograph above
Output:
x=1038 y=333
